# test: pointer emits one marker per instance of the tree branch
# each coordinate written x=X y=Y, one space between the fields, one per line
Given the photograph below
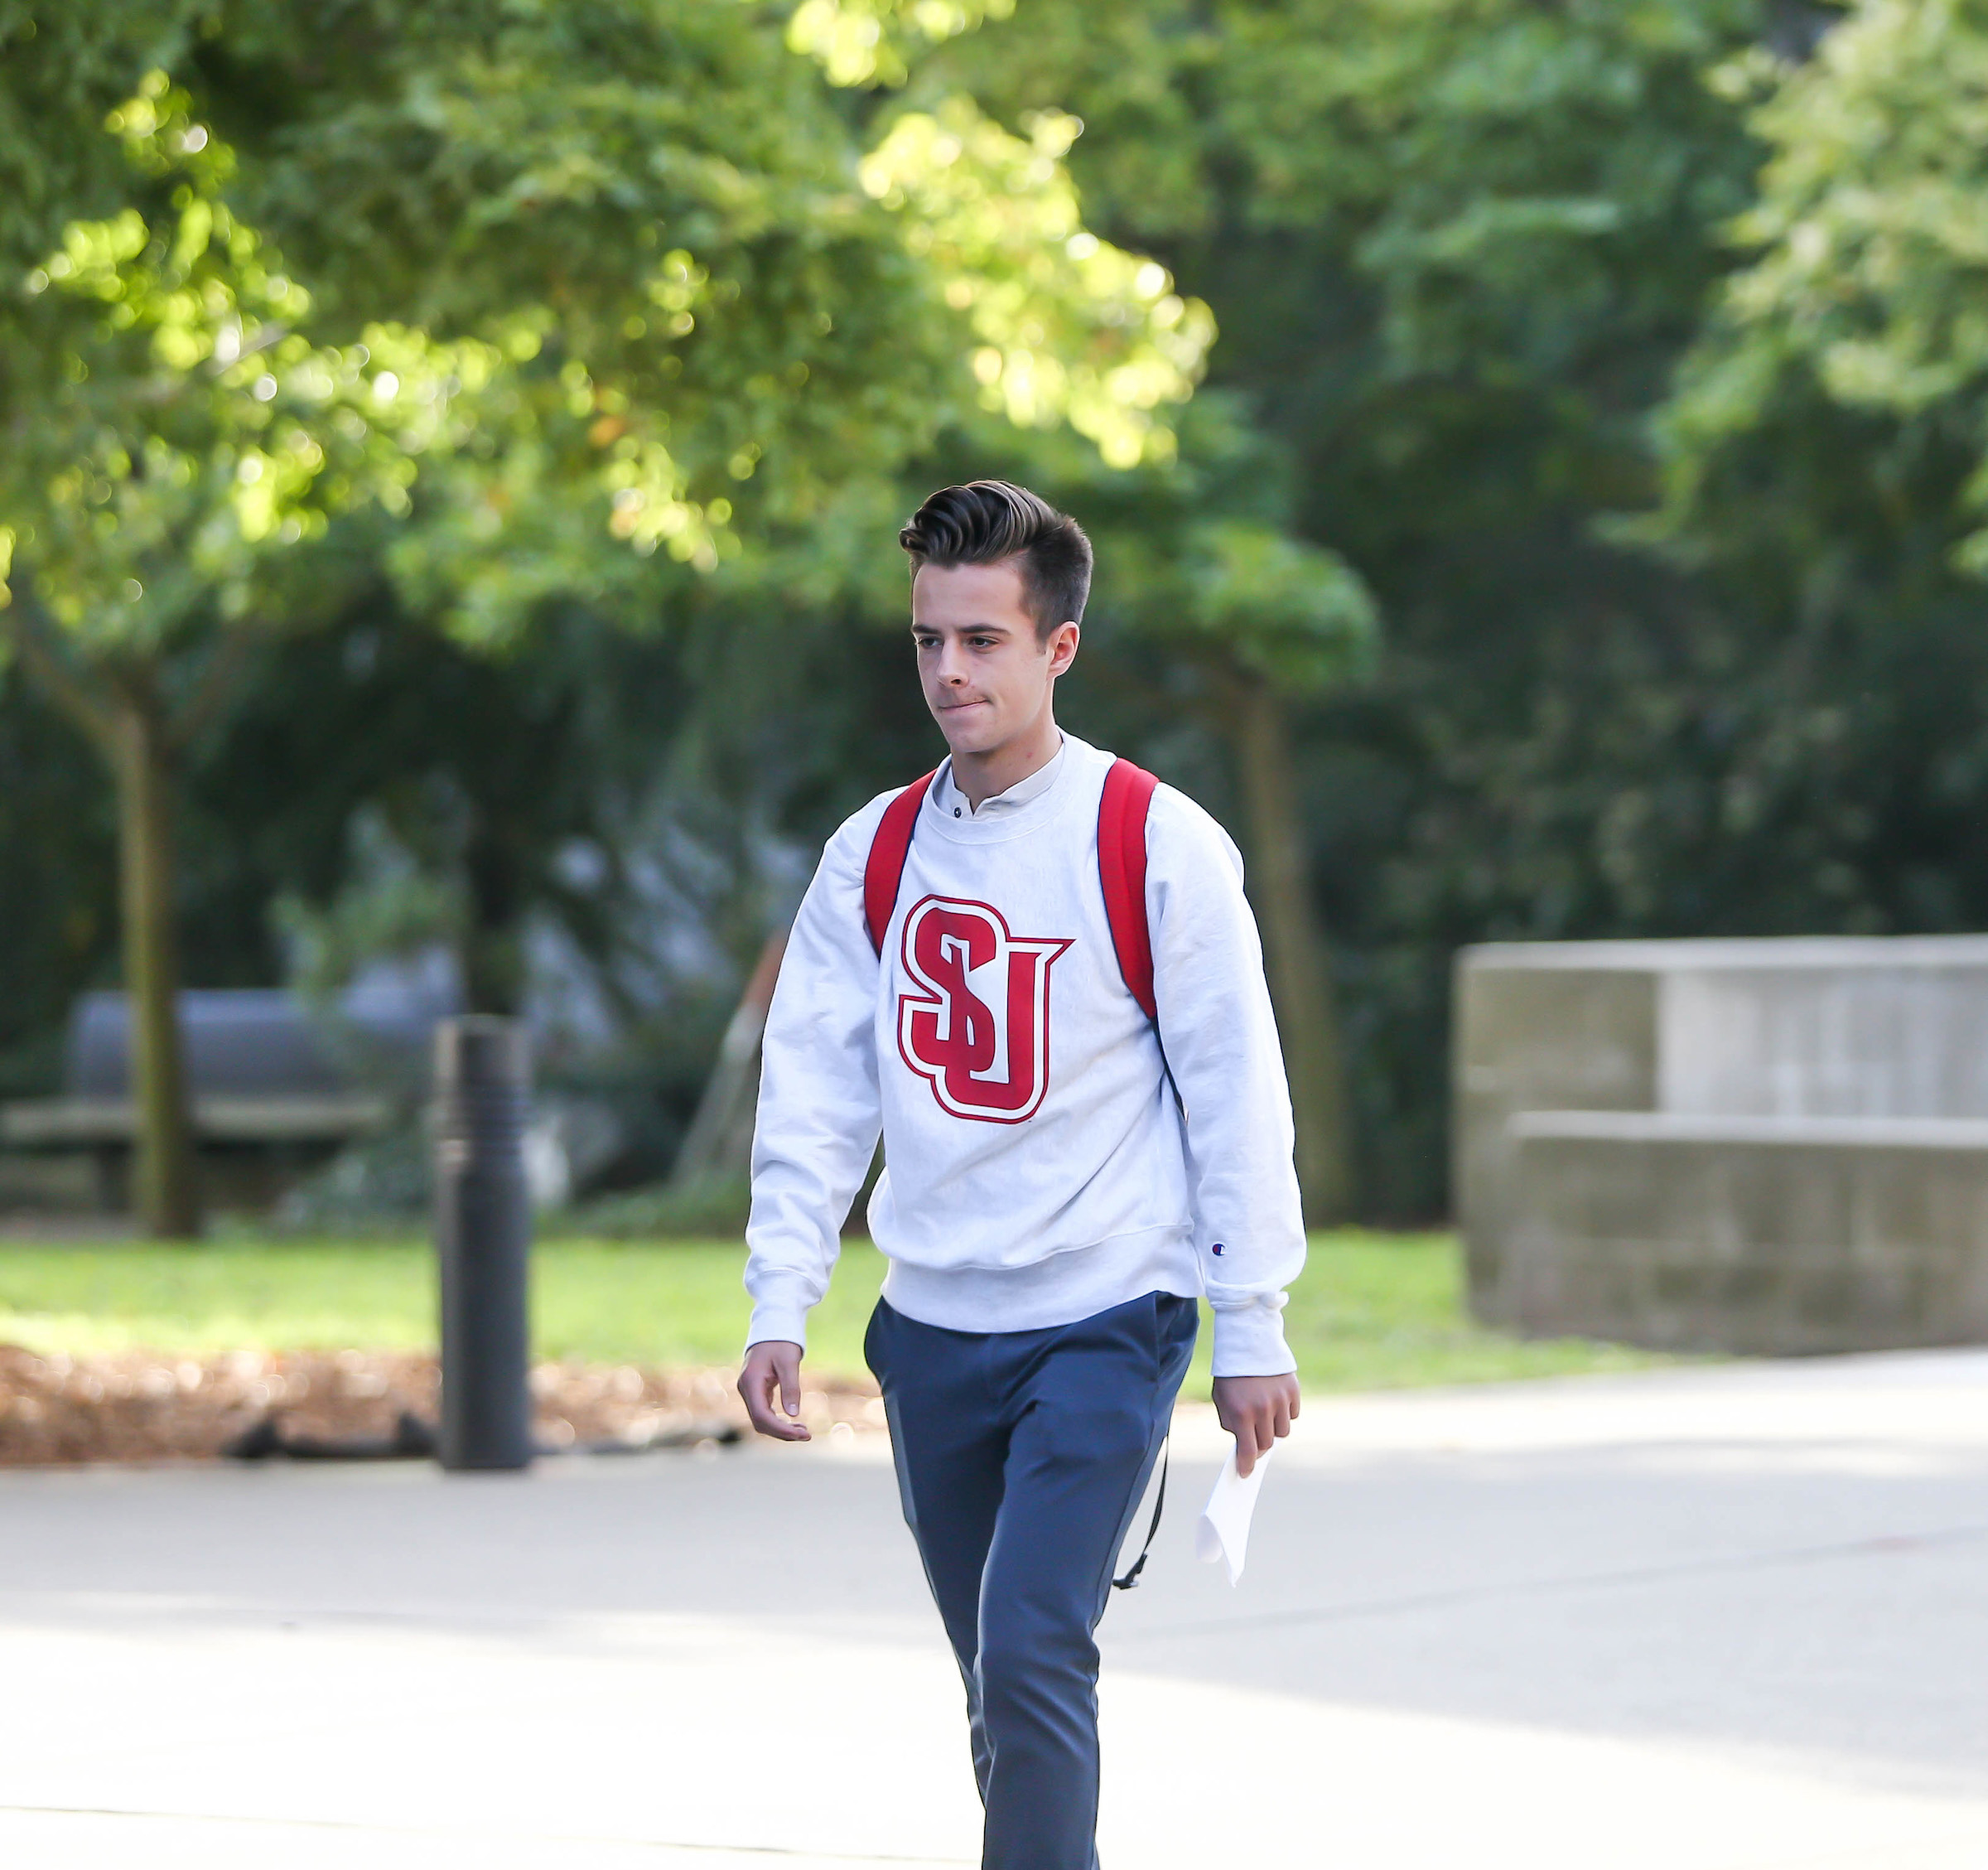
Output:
x=48 y=667
x=215 y=689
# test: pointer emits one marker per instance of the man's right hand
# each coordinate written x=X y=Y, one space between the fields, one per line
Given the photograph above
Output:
x=771 y=1384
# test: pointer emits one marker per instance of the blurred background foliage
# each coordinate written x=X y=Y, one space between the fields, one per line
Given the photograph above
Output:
x=1536 y=455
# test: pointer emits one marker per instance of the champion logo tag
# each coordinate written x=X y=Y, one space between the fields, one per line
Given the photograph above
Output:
x=1218 y=1250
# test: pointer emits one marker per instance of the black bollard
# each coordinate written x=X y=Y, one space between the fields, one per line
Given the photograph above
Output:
x=483 y=1235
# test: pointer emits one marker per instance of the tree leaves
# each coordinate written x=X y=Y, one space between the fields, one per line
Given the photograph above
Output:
x=176 y=429
x=1293 y=612
x=1067 y=326
x=1867 y=262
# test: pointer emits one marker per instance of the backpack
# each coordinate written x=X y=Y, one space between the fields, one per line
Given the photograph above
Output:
x=1121 y=812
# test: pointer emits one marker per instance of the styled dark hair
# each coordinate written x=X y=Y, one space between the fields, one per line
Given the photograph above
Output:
x=987 y=521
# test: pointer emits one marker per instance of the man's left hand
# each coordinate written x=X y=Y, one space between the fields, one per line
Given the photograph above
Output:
x=1258 y=1411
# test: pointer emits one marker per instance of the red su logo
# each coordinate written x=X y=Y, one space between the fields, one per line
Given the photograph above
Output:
x=980 y=1030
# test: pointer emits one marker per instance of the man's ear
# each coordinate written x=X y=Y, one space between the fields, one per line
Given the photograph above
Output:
x=1063 y=650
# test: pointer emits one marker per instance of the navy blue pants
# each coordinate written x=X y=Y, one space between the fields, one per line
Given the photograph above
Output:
x=1021 y=1457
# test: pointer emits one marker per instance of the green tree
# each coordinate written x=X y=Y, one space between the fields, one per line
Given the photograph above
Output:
x=1856 y=311
x=1823 y=464
x=174 y=438
x=1269 y=619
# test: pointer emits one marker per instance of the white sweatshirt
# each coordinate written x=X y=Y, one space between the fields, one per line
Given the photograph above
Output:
x=1038 y=1166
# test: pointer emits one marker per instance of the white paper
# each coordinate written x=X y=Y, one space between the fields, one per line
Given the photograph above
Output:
x=1223 y=1532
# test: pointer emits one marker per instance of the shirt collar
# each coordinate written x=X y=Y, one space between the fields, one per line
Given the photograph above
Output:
x=951 y=803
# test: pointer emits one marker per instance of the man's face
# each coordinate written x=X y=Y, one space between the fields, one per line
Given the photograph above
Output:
x=987 y=675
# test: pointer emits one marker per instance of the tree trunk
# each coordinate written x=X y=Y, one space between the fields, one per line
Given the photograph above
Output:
x=164 y=1189
x=1297 y=960
x=494 y=963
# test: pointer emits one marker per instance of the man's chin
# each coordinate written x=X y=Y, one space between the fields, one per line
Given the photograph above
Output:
x=978 y=733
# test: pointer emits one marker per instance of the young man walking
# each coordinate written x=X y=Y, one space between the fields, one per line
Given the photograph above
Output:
x=1035 y=972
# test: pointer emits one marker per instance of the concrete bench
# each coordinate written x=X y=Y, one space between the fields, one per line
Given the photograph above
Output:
x=1772 y=1146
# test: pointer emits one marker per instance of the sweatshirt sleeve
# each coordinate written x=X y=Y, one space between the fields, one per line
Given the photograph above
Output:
x=1220 y=1038
x=819 y=1115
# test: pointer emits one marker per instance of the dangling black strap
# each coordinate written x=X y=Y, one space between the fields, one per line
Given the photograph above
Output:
x=1138 y=1565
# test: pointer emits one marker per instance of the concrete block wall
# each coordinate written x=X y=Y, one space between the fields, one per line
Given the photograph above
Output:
x=1771 y=1146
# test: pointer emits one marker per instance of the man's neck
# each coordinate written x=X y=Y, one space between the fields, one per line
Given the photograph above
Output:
x=981 y=776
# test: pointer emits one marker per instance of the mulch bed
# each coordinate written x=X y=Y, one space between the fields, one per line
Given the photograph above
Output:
x=143 y=1407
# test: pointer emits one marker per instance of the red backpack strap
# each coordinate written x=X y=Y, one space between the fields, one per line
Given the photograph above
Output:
x=888 y=850
x=1128 y=794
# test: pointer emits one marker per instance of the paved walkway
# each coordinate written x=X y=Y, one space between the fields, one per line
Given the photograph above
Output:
x=1714 y=1619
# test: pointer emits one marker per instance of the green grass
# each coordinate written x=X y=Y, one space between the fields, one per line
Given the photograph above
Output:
x=1385 y=1311
x=1371 y=1310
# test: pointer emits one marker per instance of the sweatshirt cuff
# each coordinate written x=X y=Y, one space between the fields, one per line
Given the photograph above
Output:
x=1249 y=1338
x=779 y=1311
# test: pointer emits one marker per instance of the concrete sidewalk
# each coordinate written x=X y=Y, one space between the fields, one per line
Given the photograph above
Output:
x=1729 y=1618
